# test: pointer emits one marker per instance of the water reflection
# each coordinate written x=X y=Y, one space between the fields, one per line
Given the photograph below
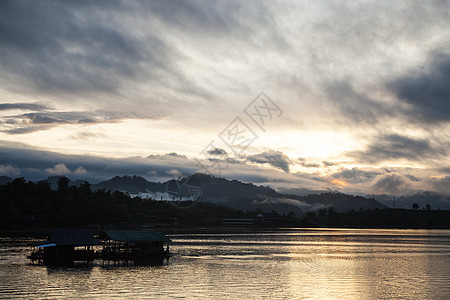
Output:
x=350 y=264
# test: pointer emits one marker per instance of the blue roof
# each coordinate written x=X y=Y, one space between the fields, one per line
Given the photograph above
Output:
x=69 y=237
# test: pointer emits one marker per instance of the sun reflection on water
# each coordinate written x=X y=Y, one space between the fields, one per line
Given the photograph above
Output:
x=289 y=264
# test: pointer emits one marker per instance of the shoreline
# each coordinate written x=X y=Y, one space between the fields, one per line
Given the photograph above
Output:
x=42 y=233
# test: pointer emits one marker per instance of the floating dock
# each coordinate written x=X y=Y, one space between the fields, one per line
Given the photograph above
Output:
x=66 y=246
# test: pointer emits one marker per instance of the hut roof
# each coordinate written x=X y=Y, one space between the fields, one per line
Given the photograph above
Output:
x=136 y=236
x=69 y=237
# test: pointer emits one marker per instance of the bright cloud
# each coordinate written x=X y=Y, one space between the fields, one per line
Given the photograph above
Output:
x=362 y=87
x=59 y=169
x=9 y=170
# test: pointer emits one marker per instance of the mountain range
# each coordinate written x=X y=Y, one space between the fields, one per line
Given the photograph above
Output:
x=231 y=193
x=239 y=195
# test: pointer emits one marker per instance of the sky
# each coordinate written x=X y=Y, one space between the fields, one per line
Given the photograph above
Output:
x=318 y=95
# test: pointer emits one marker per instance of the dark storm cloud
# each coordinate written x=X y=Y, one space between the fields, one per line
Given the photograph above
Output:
x=213 y=19
x=23 y=106
x=302 y=161
x=28 y=129
x=36 y=118
x=412 y=178
x=274 y=158
x=426 y=90
x=73 y=117
x=441 y=184
x=217 y=152
x=32 y=122
x=193 y=15
x=19 y=160
x=357 y=106
x=65 y=46
x=329 y=163
x=86 y=135
x=35 y=164
x=357 y=175
x=444 y=169
x=392 y=184
x=394 y=146
x=421 y=94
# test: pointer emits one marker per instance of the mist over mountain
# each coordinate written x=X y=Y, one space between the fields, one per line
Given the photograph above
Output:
x=239 y=195
x=234 y=194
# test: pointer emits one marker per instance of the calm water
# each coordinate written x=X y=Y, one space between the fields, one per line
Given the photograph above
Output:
x=289 y=264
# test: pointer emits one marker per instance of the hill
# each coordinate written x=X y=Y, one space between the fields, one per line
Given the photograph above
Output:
x=129 y=184
x=32 y=206
x=29 y=205
x=238 y=195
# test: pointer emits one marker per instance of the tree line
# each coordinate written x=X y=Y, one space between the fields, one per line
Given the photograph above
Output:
x=31 y=205
x=27 y=204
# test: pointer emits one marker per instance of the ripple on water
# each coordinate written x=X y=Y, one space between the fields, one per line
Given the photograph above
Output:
x=291 y=264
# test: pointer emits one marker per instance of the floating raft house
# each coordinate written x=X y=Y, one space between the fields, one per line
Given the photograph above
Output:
x=65 y=245
x=134 y=245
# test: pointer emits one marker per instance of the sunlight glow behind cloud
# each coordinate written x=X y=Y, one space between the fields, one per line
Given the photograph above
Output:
x=363 y=87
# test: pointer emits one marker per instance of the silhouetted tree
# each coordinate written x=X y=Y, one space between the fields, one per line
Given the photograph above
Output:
x=311 y=214
x=63 y=183
x=322 y=212
x=330 y=211
x=415 y=206
x=291 y=214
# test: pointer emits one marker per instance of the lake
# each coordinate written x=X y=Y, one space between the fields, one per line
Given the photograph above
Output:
x=283 y=264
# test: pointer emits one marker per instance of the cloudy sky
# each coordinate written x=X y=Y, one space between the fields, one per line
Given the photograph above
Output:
x=351 y=96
